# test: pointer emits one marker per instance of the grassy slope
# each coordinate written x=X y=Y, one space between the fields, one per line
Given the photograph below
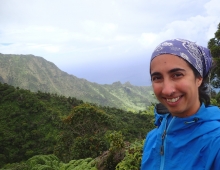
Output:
x=35 y=73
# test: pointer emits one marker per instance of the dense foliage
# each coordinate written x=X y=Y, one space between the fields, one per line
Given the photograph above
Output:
x=51 y=162
x=36 y=125
x=123 y=159
x=83 y=134
x=214 y=46
x=29 y=122
x=132 y=159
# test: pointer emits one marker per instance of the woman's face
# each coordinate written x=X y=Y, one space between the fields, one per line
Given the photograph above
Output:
x=175 y=85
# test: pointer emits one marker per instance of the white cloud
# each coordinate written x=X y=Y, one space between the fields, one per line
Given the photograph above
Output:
x=213 y=8
x=198 y=28
x=148 y=39
x=78 y=33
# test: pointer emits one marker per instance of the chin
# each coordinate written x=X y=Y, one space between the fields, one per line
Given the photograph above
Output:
x=175 y=111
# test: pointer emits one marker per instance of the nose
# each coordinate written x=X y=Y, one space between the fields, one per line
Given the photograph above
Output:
x=168 y=87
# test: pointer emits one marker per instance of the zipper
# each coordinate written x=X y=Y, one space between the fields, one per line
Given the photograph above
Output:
x=163 y=144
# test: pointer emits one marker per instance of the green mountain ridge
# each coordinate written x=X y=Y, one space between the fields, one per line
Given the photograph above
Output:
x=37 y=74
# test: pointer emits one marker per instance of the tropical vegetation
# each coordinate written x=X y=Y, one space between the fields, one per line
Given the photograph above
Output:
x=39 y=130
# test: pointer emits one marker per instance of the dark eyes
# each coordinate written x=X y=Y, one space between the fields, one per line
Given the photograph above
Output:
x=177 y=75
x=158 y=78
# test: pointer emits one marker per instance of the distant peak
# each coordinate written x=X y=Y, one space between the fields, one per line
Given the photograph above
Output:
x=127 y=83
x=117 y=83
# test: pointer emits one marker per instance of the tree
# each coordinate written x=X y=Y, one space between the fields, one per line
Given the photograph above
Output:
x=214 y=46
x=83 y=134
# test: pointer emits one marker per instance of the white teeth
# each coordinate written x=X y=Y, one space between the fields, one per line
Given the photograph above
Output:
x=173 y=100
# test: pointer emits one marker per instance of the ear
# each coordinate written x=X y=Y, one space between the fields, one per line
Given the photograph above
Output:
x=199 y=81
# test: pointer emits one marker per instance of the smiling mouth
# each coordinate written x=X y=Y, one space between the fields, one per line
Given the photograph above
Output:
x=173 y=99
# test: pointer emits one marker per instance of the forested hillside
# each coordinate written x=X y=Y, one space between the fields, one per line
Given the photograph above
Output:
x=37 y=74
x=42 y=128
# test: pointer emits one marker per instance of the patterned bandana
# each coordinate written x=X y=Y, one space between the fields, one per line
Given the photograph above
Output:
x=199 y=57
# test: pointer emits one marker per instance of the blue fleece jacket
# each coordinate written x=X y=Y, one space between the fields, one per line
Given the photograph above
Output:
x=191 y=143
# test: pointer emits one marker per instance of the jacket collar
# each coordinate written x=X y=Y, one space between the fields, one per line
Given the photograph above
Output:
x=204 y=114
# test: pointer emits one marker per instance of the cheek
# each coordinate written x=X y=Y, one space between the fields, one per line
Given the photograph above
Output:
x=183 y=86
x=186 y=87
x=157 y=88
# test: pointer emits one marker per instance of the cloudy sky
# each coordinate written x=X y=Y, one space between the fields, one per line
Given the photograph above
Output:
x=103 y=41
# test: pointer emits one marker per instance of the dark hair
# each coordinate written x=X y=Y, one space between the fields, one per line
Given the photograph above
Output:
x=203 y=88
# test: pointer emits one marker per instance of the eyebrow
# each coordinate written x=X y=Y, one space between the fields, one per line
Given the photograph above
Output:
x=176 y=69
x=170 y=71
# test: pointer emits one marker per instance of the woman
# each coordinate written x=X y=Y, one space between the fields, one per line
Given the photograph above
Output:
x=188 y=137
